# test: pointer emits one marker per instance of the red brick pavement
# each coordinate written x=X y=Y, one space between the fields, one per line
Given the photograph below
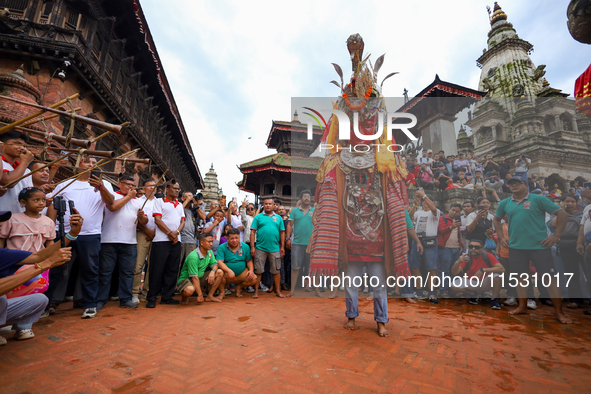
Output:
x=298 y=345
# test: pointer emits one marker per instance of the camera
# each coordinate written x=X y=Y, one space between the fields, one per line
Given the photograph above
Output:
x=198 y=196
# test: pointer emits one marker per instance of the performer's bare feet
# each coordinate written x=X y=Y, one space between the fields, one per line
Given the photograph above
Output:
x=520 y=310
x=200 y=299
x=220 y=299
x=292 y=293
x=317 y=293
x=212 y=299
x=255 y=295
x=350 y=325
x=279 y=294
x=563 y=319
x=334 y=293
x=370 y=298
x=185 y=301
x=410 y=300
x=382 y=330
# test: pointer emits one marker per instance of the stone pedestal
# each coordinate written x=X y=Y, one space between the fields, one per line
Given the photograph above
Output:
x=440 y=134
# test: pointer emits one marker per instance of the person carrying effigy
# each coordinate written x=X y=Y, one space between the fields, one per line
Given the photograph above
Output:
x=359 y=219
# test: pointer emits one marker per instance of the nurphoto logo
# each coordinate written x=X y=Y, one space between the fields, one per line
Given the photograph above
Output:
x=345 y=128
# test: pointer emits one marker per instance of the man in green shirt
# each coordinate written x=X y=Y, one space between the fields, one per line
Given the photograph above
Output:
x=235 y=261
x=529 y=241
x=268 y=231
x=201 y=270
x=300 y=223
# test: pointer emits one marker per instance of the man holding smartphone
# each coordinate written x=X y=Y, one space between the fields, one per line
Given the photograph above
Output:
x=91 y=196
x=450 y=244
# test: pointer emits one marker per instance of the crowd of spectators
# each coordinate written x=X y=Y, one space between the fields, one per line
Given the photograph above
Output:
x=134 y=244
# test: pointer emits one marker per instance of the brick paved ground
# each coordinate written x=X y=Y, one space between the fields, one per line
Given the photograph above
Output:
x=299 y=345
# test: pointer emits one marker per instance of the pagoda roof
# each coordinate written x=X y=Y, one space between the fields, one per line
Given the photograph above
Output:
x=284 y=163
x=439 y=88
x=278 y=126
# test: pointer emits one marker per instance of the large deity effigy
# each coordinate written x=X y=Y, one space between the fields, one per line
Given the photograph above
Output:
x=361 y=196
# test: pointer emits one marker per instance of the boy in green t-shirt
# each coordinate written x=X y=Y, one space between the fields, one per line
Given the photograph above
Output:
x=201 y=270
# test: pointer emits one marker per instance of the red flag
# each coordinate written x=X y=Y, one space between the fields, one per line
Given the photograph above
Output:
x=583 y=92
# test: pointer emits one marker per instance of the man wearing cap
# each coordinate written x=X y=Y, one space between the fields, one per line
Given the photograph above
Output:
x=529 y=241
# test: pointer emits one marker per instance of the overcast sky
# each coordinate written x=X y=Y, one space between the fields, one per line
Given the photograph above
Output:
x=233 y=66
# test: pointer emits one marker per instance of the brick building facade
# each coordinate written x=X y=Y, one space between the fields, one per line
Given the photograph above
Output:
x=104 y=51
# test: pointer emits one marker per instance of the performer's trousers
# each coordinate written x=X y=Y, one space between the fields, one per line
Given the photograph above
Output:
x=143 y=251
x=380 y=294
x=164 y=266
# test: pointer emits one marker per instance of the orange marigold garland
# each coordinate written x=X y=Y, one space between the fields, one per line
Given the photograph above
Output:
x=360 y=106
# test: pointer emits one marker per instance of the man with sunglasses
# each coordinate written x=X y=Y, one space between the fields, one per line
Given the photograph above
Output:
x=529 y=241
x=119 y=244
x=485 y=267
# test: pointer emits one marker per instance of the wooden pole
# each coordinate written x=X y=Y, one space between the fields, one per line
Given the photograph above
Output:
x=153 y=192
x=26 y=124
x=11 y=126
x=99 y=164
x=38 y=169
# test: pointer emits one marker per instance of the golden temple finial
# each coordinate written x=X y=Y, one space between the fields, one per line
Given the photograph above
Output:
x=498 y=14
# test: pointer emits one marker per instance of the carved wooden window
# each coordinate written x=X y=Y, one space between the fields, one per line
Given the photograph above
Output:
x=96 y=48
x=120 y=83
x=45 y=12
x=128 y=100
x=17 y=8
x=109 y=69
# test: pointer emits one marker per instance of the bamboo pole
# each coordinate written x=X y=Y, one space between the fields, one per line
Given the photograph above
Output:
x=153 y=192
x=83 y=119
x=38 y=169
x=11 y=126
x=99 y=164
x=48 y=117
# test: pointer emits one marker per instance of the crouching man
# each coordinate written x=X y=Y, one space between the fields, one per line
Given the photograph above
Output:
x=235 y=261
x=25 y=310
x=476 y=269
x=201 y=271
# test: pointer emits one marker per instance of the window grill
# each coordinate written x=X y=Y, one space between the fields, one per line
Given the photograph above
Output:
x=17 y=8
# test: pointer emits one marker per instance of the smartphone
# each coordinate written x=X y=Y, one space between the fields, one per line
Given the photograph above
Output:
x=458 y=218
x=587 y=185
x=71 y=205
x=235 y=199
x=481 y=207
x=95 y=173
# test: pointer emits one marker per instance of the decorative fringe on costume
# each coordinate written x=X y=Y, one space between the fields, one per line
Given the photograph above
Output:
x=396 y=200
x=324 y=253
